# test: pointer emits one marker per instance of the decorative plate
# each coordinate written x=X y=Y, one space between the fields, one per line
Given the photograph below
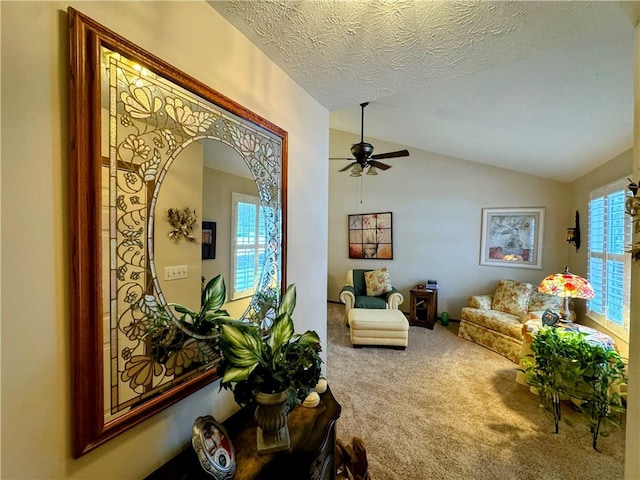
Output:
x=214 y=448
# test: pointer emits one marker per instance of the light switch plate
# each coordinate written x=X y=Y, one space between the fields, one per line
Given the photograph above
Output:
x=175 y=272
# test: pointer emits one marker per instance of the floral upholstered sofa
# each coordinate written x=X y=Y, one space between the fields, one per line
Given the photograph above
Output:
x=496 y=321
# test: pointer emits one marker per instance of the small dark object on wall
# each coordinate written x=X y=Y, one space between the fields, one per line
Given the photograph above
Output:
x=208 y=240
x=573 y=233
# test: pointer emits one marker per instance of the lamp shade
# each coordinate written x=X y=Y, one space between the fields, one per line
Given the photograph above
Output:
x=356 y=171
x=566 y=285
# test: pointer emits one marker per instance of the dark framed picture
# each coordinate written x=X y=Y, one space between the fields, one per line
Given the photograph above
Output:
x=214 y=448
x=208 y=240
x=370 y=236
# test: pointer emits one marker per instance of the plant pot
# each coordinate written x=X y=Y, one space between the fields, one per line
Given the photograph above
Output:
x=271 y=417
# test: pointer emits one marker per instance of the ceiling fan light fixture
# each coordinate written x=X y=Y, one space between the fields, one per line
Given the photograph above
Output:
x=356 y=171
x=363 y=159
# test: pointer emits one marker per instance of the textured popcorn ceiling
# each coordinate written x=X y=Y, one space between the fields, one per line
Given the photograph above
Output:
x=540 y=87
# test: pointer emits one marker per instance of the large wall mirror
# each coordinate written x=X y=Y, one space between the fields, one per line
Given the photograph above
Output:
x=154 y=154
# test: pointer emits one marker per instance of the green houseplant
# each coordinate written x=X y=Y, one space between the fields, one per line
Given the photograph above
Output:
x=270 y=359
x=567 y=366
x=270 y=367
x=264 y=362
x=188 y=339
x=258 y=355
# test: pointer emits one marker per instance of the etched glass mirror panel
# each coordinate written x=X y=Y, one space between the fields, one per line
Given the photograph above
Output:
x=172 y=156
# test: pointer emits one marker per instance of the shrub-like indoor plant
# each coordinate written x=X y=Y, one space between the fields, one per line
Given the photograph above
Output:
x=271 y=368
x=270 y=359
x=262 y=357
x=565 y=365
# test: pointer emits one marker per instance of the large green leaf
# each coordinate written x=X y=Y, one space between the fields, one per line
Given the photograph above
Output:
x=219 y=316
x=309 y=338
x=214 y=293
x=234 y=374
x=288 y=301
x=241 y=345
x=281 y=331
x=184 y=310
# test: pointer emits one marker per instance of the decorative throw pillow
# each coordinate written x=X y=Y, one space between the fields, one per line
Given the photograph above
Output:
x=512 y=297
x=378 y=282
x=544 y=301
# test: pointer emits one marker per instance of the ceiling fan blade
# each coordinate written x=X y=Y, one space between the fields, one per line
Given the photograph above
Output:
x=340 y=158
x=379 y=165
x=399 y=153
x=348 y=167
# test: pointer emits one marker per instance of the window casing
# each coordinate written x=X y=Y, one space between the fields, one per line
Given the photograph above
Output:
x=248 y=243
x=609 y=266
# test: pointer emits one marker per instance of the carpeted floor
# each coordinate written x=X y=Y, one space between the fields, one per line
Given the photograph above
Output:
x=447 y=408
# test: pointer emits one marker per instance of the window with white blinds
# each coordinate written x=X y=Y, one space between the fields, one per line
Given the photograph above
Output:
x=248 y=244
x=609 y=268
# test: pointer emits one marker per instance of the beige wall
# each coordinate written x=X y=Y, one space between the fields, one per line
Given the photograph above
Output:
x=437 y=204
x=181 y=189
x=36 y=408
x=632 y=453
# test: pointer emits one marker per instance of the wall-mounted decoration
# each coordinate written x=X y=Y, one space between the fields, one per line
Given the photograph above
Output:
x=208 y=240
x=370 y=236
x=182 y=221
x=632 y=205
x=512 y=237
x=573 y=233
x=145 y=115
x=632 y=208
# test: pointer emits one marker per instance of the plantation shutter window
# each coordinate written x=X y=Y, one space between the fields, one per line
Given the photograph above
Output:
x=609 y=267
x=248 y=244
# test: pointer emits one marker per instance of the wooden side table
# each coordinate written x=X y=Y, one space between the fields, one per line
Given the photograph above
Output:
x=311 y=456
x=424 y=307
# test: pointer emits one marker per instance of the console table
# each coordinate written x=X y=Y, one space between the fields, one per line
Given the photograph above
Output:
x=424 y=307
x=311 y=456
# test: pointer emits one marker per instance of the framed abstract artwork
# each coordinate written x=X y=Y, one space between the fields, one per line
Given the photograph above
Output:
x=512 y=237
x=370 y=236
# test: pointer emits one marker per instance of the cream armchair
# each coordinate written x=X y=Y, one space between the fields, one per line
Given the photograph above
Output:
x=354 y=295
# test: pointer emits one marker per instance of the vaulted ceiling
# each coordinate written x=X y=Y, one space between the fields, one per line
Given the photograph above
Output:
x=539 y=87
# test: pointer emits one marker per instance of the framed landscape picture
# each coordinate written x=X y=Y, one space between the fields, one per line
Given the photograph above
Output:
x=512 y=237
x=370 y=236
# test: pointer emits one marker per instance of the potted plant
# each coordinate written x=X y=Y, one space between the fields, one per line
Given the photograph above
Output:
x=270 y=367
x=264 y=362
x=188 y=339
x=567 y=366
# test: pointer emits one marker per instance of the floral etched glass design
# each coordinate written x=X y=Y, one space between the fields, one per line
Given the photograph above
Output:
x=150 y=122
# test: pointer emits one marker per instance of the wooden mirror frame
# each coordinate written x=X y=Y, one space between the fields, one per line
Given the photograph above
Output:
x=90 y=429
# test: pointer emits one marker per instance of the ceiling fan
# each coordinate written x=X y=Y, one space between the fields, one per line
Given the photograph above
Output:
x=362 y=153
